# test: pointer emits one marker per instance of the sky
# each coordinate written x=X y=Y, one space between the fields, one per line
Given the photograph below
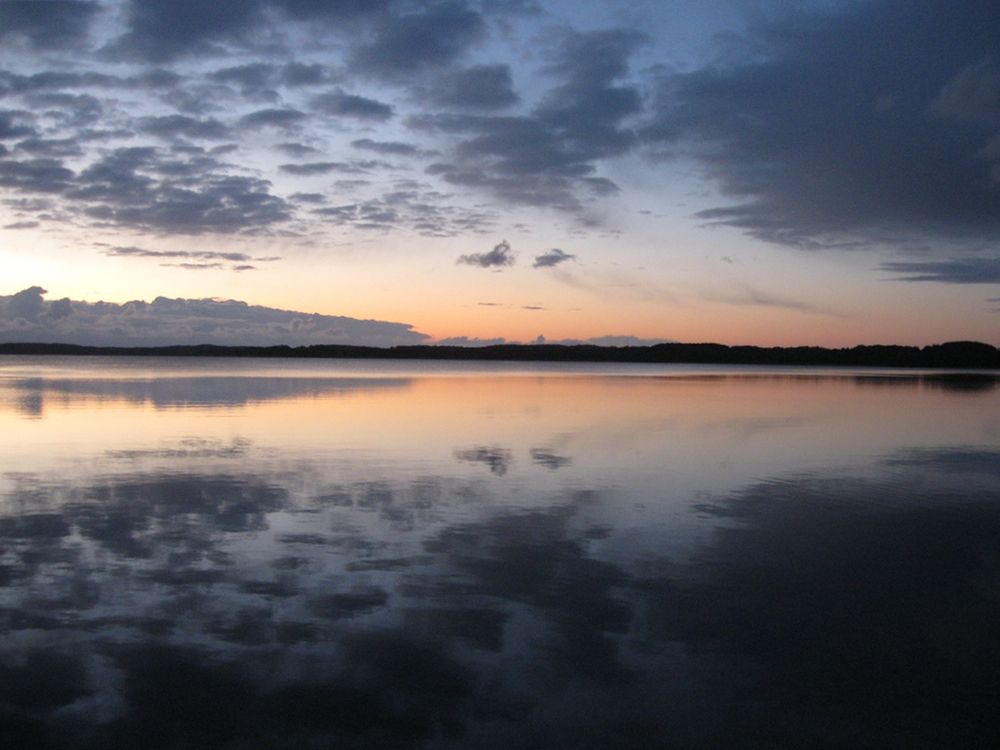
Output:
x=388 y=172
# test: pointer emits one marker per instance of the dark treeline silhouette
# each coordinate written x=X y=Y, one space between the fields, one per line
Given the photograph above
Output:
x=954 y=354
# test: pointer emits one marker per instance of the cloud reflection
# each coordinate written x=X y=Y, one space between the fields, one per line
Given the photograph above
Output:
x=30 y=394
x=211 y=602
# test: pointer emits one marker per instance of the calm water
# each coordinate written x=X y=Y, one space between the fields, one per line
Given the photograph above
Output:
x=261 y=554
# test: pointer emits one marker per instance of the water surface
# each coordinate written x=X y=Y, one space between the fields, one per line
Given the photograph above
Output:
x=269 y=554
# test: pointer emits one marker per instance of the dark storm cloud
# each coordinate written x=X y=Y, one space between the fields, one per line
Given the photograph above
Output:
x=348 y=105
x=172 y=126
x=50 y=25
x=479 y=87
x=541 y=159
x=553 y=257
x=956 y=271
x=873 y=123
x=432 y=36
x=499 y=257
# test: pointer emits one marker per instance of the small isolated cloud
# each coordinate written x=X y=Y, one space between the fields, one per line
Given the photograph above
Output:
x=499 y=257
x=553 y=257
x=955 y=271
x=22 y=225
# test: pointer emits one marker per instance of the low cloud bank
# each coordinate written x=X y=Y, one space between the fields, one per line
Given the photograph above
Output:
x=595 y=341
x=28 y=317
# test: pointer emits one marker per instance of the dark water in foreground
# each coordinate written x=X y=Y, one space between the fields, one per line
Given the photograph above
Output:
x=246 y=554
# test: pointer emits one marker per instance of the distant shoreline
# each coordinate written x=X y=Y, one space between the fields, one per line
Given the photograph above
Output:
x=951 y=355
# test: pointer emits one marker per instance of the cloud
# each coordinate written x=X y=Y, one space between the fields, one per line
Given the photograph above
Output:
x=35 y=176
x=12 y=125
x=955 y=271
x=749 y=296
x=479 y=87
x=298 y=150
x=49 y=25
x=189 y=255
x=308 y=197
x=320 y=167
x=499 y=257
x=172 y=126
x=349 y=105
x=390 y=148
x=27 y=316
x=868 y=124
x=419 y=210
x=275 y=118
x=140 y=188
x=161 y=30
x=51 y=147
x=616 y=340
x=466 y=341
x=251 y=77
x=428 y=37
x=302 y=74
x=542 y=159
x=553 y=257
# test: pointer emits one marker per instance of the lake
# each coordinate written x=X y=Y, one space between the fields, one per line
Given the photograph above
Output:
x=239 y=553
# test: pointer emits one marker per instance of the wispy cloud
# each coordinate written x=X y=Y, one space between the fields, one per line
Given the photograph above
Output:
x=553 y=257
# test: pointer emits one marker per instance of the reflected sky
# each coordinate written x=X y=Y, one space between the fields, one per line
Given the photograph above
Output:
x=239 y=554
